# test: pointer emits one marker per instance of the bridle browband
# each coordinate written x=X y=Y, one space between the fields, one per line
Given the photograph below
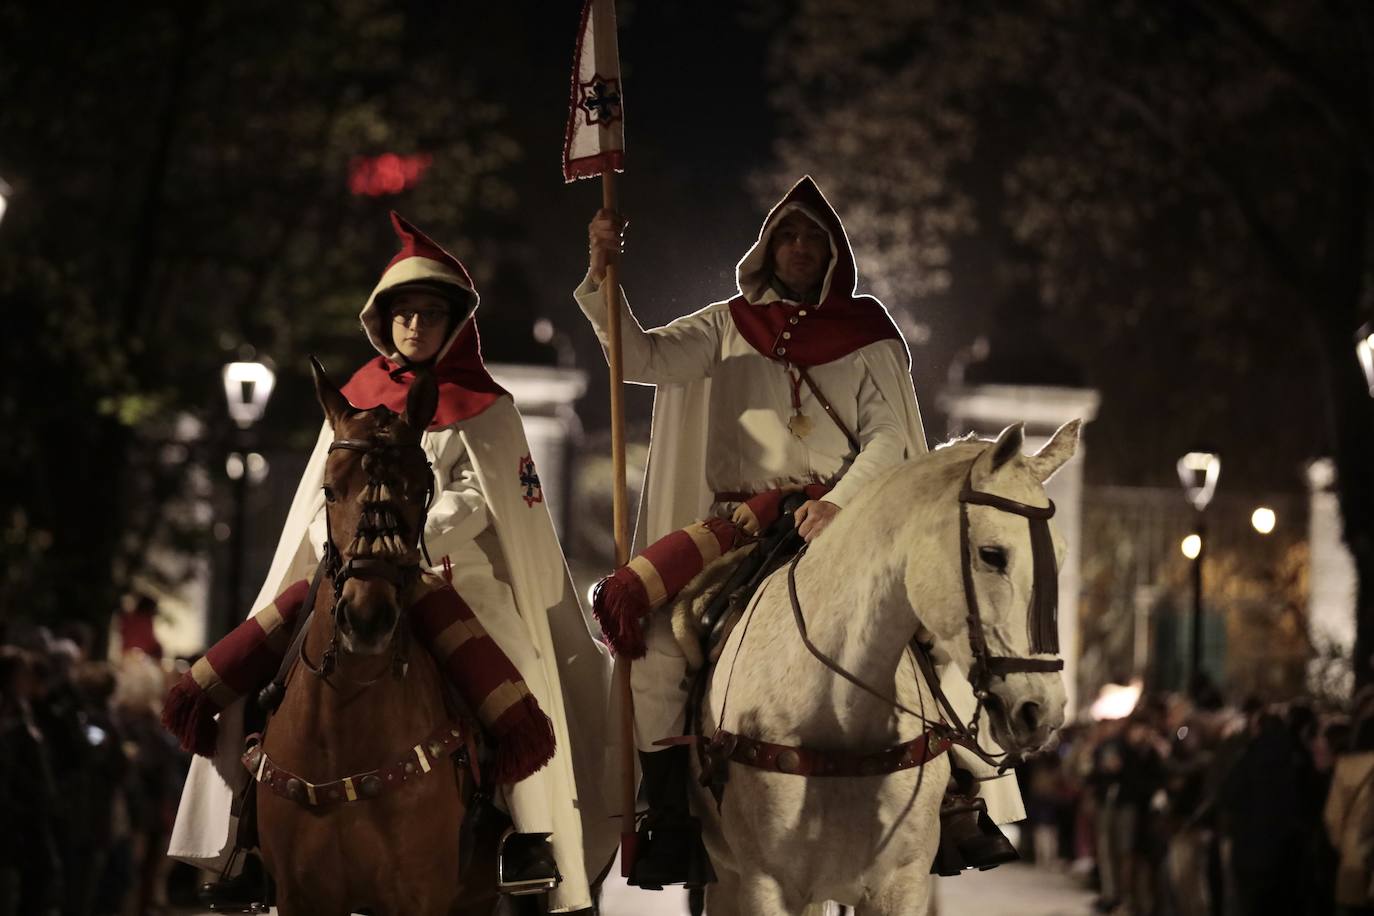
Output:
x=399 y=575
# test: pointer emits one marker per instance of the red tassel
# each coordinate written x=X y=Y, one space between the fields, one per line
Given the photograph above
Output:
x=190 y=716
x=619 y=605
x=525 y=747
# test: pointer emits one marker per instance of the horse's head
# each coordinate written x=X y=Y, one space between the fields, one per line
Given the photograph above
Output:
x=1008 y=633
x=377 y=486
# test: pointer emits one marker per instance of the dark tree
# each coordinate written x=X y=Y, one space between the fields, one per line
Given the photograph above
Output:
x=182 y=196
x=1190 y=178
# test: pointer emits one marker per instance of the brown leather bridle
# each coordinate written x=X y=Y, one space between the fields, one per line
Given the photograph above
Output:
x=1043 y=616
x=400 y=575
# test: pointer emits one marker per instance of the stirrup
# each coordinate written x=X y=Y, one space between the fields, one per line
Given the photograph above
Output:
x=969 y=838
x=218 y=896
x=671 y=852
x=537 y=873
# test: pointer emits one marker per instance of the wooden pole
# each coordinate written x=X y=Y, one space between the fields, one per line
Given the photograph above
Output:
x=621 y=519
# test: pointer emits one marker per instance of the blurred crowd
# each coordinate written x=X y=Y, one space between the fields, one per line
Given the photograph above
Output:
x=1188 y=807
x=1184 y=807
x=90 y=780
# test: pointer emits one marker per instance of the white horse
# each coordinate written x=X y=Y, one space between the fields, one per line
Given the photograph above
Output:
x=887 y=569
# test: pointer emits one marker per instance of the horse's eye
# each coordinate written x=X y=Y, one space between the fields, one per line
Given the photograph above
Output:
x=995 y=557
x=328 y=494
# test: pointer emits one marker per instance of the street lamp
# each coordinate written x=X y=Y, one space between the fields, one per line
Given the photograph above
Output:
x=1364 y=352
x=247 y=386
x=5 y=192
x=1198 y=471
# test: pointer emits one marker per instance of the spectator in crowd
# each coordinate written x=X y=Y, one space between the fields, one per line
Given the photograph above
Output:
x=1259 y=804
x=136 y=625
x=30 y=872
x=1349 y=813
x=1114 y=824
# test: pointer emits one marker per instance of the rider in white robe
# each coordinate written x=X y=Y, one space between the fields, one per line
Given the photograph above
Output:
x=488 y=518
x=723 y=407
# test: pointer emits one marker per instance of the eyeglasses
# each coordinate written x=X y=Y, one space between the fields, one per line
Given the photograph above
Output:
x=429 y=317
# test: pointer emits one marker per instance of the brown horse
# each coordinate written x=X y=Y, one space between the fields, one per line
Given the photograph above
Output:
x=364 y=697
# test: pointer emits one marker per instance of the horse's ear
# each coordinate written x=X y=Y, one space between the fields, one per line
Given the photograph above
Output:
x=1006 y=448
x=421 y=401
x=335 y=405
x=1056 y=453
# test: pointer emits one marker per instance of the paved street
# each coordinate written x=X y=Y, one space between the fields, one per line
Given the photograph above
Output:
x=1012 y=890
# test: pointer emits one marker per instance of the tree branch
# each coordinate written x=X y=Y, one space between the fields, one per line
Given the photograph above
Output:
x=1346 y=120
x=1286 y=262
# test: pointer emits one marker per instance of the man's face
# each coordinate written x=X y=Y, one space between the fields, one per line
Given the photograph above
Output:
x=801 y=252
x=419 y=324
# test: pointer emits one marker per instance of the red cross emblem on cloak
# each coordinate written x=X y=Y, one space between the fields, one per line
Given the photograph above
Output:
x=529 y=481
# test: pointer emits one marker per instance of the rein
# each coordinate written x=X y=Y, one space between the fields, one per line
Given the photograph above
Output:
x=949 y=729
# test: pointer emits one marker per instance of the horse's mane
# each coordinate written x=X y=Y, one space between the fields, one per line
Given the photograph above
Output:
x=959 y=440
x=949 y=459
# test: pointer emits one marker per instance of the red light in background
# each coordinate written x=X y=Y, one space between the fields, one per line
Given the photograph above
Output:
x=388 y=173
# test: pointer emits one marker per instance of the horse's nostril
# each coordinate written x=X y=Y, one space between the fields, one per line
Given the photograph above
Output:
x=1028 y=715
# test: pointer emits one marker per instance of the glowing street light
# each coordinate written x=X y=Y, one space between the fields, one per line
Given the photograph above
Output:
x=1191 y=547
x=247 y=386
x=1364 y=352
x=5 y=192
x=1263 y=519
x=1199 y=472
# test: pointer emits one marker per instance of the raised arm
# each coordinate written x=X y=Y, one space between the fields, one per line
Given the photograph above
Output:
x=681 y=351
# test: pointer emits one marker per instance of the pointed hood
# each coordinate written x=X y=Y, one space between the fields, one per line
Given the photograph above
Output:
x=465 y=387
x=755 y=271
x=807 y=334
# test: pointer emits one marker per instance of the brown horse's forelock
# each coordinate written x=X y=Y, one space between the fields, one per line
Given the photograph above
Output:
x=382 y=544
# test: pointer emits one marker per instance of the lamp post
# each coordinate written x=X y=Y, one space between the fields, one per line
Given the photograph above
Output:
x=1198 y=471
x=1364 y=352
x=247 y=386
x=5 y=192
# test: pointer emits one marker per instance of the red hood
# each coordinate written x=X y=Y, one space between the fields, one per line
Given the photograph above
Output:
x=465 y=387
x=817 y=333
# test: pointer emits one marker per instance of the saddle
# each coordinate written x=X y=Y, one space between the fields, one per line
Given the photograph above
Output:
x=704 y=620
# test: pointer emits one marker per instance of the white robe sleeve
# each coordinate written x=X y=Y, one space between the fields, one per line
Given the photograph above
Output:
x=459 y=512
x=882 y=444
x=684 y=350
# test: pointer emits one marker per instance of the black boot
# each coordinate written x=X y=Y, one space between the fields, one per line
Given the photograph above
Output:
x=525 y=864
x=670 y=848
x=246 y=892
x=968 y=837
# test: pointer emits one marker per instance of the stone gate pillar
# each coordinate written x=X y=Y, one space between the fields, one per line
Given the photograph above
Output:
x=1332 y=582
